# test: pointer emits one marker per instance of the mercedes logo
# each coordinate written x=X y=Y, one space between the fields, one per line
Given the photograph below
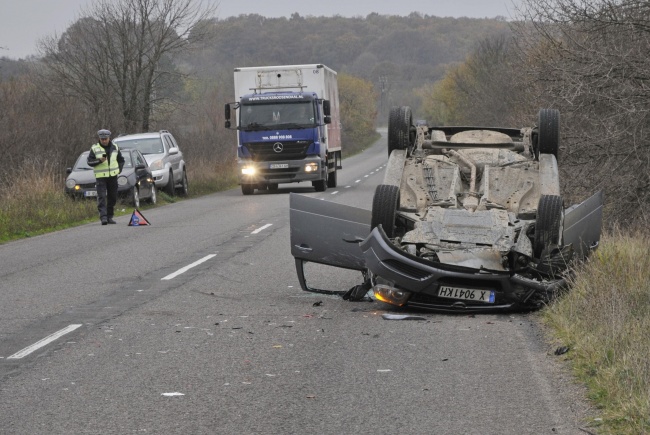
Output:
x=277 y=147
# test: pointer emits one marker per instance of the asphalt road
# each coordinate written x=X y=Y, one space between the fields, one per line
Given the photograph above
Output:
x=197 y=325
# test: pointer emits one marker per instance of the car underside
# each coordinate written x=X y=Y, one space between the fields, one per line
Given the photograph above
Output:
x=467 y=219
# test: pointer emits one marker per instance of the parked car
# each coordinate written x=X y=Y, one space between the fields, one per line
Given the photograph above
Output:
x=467 y=219
x=164 y=156
x=134 y=183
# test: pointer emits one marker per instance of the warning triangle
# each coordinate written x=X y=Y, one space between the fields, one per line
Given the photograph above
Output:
x=137 y=219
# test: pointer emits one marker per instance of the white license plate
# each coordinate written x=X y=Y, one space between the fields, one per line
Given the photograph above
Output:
x=90 y=193
x=466 y=294
x=278 y=165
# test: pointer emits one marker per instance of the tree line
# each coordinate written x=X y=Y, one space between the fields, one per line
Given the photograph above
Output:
x=587 y=59
x=138 y=65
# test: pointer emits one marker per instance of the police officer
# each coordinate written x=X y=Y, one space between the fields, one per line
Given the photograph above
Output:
x=107 y=161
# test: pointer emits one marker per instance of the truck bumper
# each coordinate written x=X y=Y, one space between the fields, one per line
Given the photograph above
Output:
x=281 y=171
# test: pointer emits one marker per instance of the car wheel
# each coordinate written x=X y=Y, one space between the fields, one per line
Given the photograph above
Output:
x=384 y=208
x=184 y=185
x=153 y=199
x=331 y=179
x=548 y=140
x=549 y=223
x=399 y=128
x=135 y=197
x=247 y=189
x=170 y=184
x=320 y=185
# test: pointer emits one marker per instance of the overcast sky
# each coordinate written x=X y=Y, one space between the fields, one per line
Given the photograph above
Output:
x=24 y=22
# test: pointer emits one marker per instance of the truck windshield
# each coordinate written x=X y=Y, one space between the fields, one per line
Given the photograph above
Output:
x=277 y=115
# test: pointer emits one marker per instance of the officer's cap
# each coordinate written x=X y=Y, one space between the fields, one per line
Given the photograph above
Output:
x=103 y=134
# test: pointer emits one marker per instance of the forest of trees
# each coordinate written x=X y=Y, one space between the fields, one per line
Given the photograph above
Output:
x=169 y=65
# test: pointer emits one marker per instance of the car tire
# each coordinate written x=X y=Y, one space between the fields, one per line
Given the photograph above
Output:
x=135 y=197
x=384 y=208
x=331 y=179
x=170 y=185
x=320 y=185
x=182 y=191
x=548 y=139
x=399 y=128
x=153 y=199
x=247 y=189
x=549 y=223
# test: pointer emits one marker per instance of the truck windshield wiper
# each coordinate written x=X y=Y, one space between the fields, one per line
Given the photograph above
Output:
x=294 y=125
x=253 y=126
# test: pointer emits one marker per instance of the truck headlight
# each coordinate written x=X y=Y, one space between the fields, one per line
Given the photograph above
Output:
x=248 y=170
x=311 y=167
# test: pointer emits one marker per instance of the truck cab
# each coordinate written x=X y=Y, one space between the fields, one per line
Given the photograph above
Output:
x=285 y=131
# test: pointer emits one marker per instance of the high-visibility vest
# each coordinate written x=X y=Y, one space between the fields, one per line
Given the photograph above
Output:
x=106 y=168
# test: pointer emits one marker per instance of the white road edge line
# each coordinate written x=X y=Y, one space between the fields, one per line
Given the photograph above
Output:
x=47 y=340
x=261 y=228
x=188 y=267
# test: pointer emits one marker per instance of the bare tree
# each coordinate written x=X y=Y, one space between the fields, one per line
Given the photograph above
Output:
x=117 y=58
x=590 y=60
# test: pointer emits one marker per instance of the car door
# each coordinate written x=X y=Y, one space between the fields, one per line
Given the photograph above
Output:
x=583 y=224
x=326 y=233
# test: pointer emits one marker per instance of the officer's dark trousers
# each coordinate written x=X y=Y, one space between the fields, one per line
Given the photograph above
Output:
x=106 y=196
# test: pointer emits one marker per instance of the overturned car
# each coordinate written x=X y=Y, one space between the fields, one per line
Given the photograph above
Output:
x=467 y=219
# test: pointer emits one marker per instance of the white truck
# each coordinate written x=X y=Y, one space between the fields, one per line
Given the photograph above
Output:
x=288 y=125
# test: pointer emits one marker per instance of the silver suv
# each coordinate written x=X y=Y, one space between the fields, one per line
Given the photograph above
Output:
x=164 y=157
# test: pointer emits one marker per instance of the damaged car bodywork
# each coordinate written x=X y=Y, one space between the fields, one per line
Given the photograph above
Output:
x=467 y=219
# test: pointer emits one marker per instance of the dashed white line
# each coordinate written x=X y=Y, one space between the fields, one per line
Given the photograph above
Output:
x=188 y=267
x=47 y=340
x=261 y=228
x=358 y=181
x=334 y=193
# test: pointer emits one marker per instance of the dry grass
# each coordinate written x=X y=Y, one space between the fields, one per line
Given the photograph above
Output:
x=34 y=202
x=605 y=320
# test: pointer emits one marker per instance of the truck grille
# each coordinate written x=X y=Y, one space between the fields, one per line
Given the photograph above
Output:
x=264 y=151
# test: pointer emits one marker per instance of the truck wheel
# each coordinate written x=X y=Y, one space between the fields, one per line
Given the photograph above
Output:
x=399 y=128
x=384 y=208
x=548 y=140
x=331 y=179
x=170 y=185
x=320 y=185
x=247 y=189
x=549 y=223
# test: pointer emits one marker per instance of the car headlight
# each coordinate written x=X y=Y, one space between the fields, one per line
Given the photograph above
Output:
x=248 y=170
x=70 y=184
x=391 y=295
x=157 y=165
x=122 y=181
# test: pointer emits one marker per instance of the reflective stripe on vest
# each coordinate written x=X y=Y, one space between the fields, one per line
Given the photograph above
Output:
x=106 y=168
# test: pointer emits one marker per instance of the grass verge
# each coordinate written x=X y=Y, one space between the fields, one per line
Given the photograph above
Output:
x=604 y=320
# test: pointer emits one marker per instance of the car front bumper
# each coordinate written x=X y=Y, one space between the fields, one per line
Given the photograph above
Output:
x=422 y=280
